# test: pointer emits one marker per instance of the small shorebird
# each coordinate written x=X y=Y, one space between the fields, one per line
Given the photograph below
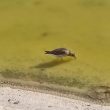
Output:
x=61 y=52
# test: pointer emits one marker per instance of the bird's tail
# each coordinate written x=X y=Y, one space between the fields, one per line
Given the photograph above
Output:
x=47 y=52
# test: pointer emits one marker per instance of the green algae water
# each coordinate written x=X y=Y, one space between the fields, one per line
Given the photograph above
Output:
x=29 y=27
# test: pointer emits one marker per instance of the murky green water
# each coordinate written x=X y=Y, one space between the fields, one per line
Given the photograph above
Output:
x=29 y=27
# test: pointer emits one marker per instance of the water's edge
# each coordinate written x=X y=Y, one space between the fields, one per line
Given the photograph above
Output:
x=62 y=91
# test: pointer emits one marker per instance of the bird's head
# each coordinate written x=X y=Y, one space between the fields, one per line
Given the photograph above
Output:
x=72 y=55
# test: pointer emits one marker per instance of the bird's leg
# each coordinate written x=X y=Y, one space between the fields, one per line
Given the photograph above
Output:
x=61 y=58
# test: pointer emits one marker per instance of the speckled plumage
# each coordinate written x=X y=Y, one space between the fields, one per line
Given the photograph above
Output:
x=60 y=52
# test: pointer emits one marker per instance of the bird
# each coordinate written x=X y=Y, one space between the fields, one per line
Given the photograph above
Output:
x=61 y=52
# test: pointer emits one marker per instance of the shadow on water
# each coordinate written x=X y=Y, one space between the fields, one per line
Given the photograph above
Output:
x=52 y=63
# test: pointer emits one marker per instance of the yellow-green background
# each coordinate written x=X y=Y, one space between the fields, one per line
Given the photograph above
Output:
x=29 y=27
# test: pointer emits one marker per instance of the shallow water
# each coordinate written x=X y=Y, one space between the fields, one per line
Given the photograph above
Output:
x=29 y=27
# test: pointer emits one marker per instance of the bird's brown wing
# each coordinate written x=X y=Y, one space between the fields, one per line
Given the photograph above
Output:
x=58 y=51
